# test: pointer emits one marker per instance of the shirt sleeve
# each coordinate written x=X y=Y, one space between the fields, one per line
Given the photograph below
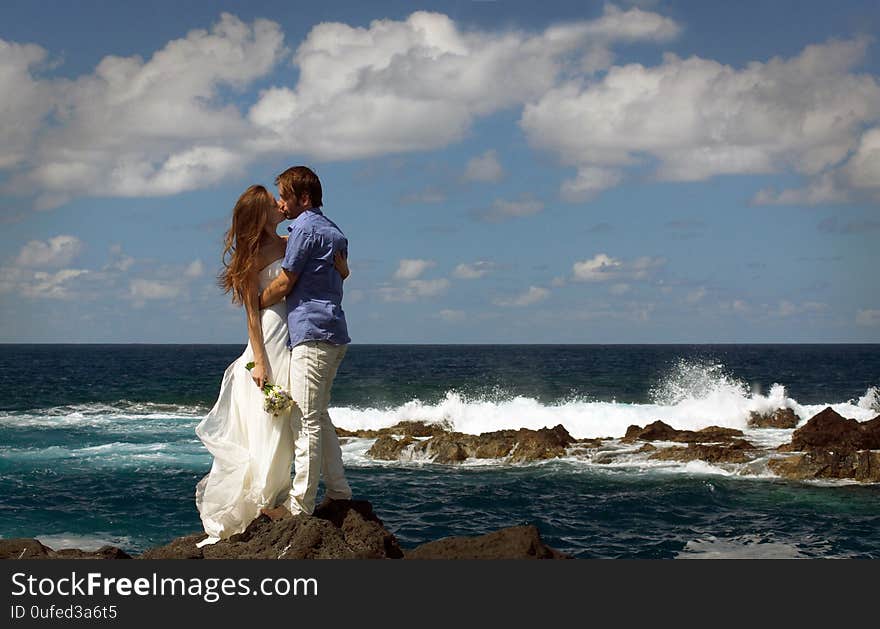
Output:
x=299 y=250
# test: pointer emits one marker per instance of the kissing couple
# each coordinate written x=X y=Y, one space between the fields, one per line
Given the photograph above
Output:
x=291 y=289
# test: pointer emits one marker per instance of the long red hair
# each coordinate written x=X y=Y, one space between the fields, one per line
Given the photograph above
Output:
x=242 y=245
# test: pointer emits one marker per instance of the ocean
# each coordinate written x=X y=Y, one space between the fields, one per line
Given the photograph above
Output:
x=97 y=444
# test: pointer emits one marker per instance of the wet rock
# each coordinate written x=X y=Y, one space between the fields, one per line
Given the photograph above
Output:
x=861 y=465
x=518 y=542
x=734 y=452
x=345 y=529
x=400 y=429
x=388 y=448
x=780 y=418
x=660 y=431
x=27 y=548
x=23 y=548
x=454 y=447
x=445 y=448
x=827 y=430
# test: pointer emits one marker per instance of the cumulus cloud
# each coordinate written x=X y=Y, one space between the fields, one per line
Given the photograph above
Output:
x=26 y=100
x=55 y=252
x=411 y=269
x=588 y=183
x=696 y=296
x=504 y=209
x=474 y=270
x=451 y=316
x=136 y=127
x=868 y=317
x=419 y=83
x=484 y=168
x=428 y=195
x=52 y=285
x=698 y=118
x=533 y=295
x=603 y=268
x=413 y=290
x=142 y=289
x=194 y=269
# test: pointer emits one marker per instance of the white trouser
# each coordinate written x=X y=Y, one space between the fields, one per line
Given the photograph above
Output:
x=313 y=366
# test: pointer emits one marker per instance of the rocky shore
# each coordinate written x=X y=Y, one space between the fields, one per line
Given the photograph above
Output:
x=343 y=529
x=827 y=446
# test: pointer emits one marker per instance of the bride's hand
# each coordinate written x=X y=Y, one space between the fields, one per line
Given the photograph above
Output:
x=260 y=375
x=341 y=264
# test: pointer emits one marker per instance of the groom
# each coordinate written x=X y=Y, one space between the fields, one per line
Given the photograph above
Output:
x=318 y=334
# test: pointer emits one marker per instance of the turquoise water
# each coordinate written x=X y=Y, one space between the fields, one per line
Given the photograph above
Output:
x=97 y=444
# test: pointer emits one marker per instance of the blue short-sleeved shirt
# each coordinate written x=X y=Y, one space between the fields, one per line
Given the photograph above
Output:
x=314 y=306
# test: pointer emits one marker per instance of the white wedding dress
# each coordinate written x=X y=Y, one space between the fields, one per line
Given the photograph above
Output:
x=253 y=450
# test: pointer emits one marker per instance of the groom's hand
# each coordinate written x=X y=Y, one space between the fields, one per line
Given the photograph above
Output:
x=278 y=289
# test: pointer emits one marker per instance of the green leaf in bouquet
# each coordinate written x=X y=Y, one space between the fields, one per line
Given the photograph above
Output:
x=250 y=365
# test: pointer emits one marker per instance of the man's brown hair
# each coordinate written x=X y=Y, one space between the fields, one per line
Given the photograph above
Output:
x=298 y=180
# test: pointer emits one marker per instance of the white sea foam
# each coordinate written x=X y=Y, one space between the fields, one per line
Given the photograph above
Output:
x=123 y=415
x=743 y=547
x=719 y=404
x=59 y=541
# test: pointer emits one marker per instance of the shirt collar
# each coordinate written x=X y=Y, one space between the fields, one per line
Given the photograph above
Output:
x=315 y=210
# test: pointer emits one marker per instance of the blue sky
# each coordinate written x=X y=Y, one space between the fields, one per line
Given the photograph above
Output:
x=506 y=172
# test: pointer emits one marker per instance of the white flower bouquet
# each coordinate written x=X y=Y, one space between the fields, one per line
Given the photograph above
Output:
x=275 y=400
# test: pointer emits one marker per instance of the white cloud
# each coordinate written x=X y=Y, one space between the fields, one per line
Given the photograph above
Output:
x=452 y=316
x=533 y=295
x=589 y=182
x=603 y=268
x=55 y=252
x=503 y=209
x=428 y=288
x=428 y=195
x=172 y=122
x=473 y=271
x=52 y=285
x=863 y=169
x=141 y=289
x=699 y=118
x=419 y=83
x=195 y=269
x=154 y=127
x=484 y=168
x=696 y=296
x=411 y=269
x=414 y=290
x=599 y=268
x=785 y=308
x=619 y=289
x=26 y=100
x=868 y=317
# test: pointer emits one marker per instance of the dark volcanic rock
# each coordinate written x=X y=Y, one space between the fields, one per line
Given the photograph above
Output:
x=388 y=448
x=827 y=430
x=780 y=418
x=27 y=548
x=345 y=529
x=454 y=447
x=831 y=446
x=660 y=431
x=518 y=542
x=404 y=428
x=733 y=452
x=862 y=465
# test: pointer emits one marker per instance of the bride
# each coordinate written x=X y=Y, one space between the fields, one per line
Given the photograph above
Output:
x=252 y=449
